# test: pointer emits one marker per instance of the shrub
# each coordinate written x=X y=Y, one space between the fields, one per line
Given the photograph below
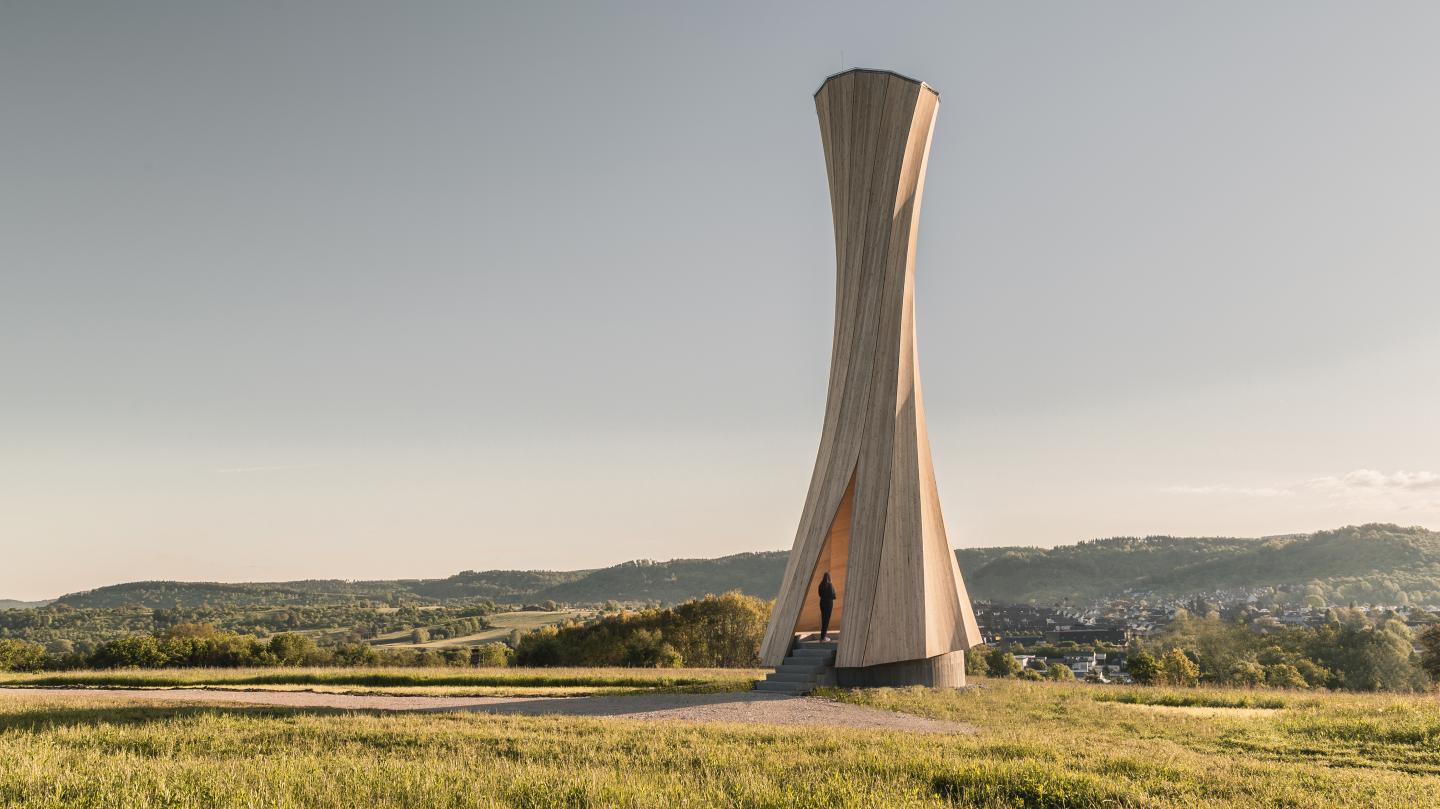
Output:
x=19 y=655
x=1247 y=675
x=1000 y=663
x=1059 y=671
x=1143 y=667
x=135 y=651
x=291 y=649
x=1177 y=669
x=1284 y=675
x=715 y=631
x=491 y=655
x=975 y=660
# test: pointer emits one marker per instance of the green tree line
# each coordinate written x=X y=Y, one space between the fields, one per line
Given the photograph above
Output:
x=714 y=631
x=1351 y=651
x=202 y=645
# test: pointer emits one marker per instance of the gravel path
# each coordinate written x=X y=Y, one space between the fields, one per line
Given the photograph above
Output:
x=747 y=706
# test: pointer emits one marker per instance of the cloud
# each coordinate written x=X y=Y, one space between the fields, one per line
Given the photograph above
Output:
x=1362 y=487
x=1369 y=481
x=1367 y=487
x=1238 y=491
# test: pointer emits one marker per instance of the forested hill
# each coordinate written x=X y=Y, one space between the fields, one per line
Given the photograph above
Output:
x=1369 y=563
x=640 y=581
x=12 y=604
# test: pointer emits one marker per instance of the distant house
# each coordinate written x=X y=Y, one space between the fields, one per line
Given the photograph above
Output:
x=1083 y=663
x=1118 y=636
x=1024 y=640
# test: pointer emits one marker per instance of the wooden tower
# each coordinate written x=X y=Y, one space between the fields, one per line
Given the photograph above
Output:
x=872 y=514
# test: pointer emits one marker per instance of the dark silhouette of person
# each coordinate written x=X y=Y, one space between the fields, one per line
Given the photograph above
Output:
x=827 y=603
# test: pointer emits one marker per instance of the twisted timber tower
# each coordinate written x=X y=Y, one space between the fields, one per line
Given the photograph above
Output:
x=872 y=515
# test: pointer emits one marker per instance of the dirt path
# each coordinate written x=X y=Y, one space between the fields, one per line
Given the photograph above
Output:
x=747 y=706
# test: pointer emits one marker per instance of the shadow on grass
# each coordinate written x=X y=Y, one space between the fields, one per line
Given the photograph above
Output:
x=39 y=720
x=56 y=716
x=616 y=704
x=125 y=679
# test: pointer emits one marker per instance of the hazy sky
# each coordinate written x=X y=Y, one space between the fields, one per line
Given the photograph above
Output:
x=399 y=289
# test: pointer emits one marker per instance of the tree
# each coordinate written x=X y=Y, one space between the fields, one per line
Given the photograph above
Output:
x=19 y=655
x=541 y=647
x=135 y=651
x=1430 y=651
x=1000 y=663
x=1060 y=672
x=291 y=649
x=420 y=636
x=717 y=631
x=356 y=654
x=190 y=630
x=712 y=631
x=1284 y=675
x=1247 y=674
x=60 y=647
x=1316 y=675
x=1364 y=656
x=491 y=655
x=1177 y=669
x=648 y=648
x=975 y=661
x=1143 y=667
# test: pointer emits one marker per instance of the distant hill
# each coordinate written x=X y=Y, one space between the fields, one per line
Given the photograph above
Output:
x=674 y=581
x=1369 y=564
x=12 y=604
x=640 y=581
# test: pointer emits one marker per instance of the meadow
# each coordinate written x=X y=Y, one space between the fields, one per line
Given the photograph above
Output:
x=1035 y=745
x=502 y=624
x=439 y=681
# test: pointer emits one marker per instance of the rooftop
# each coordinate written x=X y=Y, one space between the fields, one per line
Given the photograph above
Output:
x=829 y=79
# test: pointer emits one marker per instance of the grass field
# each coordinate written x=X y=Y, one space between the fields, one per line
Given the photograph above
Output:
x=1037 y=745
x=502 y=624
x=448 y=681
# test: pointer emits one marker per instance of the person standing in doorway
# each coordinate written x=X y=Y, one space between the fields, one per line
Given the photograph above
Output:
x=827 y=603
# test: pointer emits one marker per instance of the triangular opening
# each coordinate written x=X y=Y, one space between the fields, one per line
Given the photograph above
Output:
x=834 y=559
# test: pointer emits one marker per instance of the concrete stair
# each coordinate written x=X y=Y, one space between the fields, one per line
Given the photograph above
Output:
x=811 y=664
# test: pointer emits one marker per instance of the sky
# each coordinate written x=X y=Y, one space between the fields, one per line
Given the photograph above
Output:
x=374 y=290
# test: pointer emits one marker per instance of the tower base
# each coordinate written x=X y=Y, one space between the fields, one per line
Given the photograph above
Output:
x=941 y=671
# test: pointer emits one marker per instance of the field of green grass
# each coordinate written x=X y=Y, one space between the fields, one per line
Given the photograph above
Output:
x=445 y=681
x=502 y=624
x=1049 y=745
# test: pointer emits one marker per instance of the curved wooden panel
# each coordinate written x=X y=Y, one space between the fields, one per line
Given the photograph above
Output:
x=873 y=488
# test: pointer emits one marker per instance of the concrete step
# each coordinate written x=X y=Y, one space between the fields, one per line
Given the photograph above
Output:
x=812 y=655
x=806 y=651
x=811 y=663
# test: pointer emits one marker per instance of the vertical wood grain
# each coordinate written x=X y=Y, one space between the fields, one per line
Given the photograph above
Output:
x=872 y=513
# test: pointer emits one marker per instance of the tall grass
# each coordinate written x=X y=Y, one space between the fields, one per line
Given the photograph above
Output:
x=1190 y=698
x=372 y=678
x=1046 y=745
